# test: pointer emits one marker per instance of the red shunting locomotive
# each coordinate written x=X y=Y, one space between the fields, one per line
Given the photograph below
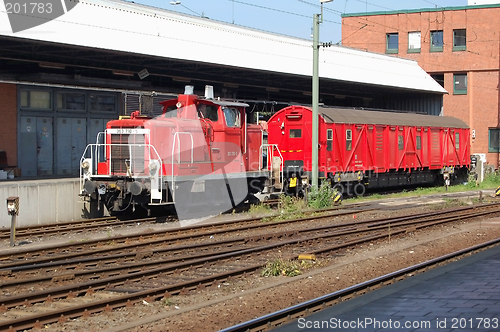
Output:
x=200 y=154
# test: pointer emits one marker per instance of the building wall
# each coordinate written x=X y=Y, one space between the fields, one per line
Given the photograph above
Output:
x=479 y=107
x=8 y=132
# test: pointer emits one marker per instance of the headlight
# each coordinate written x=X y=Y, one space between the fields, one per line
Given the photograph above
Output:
x=85 y=165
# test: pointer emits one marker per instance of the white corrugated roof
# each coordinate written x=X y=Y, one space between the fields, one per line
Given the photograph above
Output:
x=128 y=27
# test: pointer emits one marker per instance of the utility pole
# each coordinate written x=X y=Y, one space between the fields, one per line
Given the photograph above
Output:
x=317 y=20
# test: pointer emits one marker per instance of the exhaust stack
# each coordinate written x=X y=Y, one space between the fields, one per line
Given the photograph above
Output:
x=209 y=92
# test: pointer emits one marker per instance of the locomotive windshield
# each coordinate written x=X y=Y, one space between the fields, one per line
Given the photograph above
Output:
x=232 y=116
x=208 y=112
x=171 y=112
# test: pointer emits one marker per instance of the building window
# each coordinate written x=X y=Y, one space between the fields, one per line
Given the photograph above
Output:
x=494 y=140
x=414 y=42
x=295 y=133
x=102 y=103
x=437 y=41
x=71 y=101
x=392 y=43
x=36 y=99
x=459 y=40
x=439 y=78
x=460 y=84
x=348 y=140
x=329 y=139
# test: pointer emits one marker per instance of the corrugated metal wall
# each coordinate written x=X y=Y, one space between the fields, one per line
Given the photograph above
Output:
x=431 y=105
x=146 y=103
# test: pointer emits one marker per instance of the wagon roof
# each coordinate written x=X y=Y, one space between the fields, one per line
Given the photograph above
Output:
x=353 y=116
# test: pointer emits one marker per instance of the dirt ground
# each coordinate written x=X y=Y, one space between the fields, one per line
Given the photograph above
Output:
x=243 y=299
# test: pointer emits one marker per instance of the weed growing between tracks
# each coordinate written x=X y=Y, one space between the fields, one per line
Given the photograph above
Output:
x=259 y=209
x=282 y=267
x=322 y=197
x=288 y=267
x=291 y=207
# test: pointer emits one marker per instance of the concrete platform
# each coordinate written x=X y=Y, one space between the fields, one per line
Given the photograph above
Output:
x=461 y=296
x=42 y=201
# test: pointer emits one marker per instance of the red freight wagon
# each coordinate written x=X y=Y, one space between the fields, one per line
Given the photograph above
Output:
x=361 y=149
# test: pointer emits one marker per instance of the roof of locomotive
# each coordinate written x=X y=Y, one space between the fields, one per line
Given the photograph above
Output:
x=219 y=102
x=354 y=116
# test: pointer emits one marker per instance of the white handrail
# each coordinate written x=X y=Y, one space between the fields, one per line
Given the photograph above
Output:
x=94 y=151
x=176 y=136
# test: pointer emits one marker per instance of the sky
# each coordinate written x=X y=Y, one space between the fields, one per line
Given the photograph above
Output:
x=291 y=17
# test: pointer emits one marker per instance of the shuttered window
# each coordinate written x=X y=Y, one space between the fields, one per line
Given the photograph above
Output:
x=329 y=139
x=348 y=140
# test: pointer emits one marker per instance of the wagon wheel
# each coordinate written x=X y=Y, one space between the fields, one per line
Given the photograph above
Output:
x=359 y=189
x=339 y=188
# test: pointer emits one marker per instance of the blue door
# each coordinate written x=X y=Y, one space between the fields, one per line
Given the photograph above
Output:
x=36 y=146
x=71 y=141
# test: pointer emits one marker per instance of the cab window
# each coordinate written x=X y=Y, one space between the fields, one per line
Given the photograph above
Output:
x=232 y=117
x=208 y=112
x=295 y=133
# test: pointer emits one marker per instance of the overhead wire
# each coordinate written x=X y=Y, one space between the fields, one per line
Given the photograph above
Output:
x=368 y=23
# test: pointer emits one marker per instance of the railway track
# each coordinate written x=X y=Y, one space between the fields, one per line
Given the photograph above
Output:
x=62 y=228
x=281 y=317
x=185 y=266
x=70 y=227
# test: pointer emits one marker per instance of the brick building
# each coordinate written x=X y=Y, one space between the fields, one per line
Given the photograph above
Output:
x=458 y=46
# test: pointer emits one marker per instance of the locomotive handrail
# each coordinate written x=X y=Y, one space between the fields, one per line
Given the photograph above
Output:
x=176 y=136
x=261 y=150
x=94 y=151
x=270 y=149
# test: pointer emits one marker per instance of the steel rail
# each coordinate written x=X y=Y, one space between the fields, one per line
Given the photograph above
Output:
x=266 y=322
x=346 y=229
x=67 y=263
x=45 y=259
x=61 y=227
x=71 y=227
x=85 y=224
x=71 y=250
x=158 y=292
